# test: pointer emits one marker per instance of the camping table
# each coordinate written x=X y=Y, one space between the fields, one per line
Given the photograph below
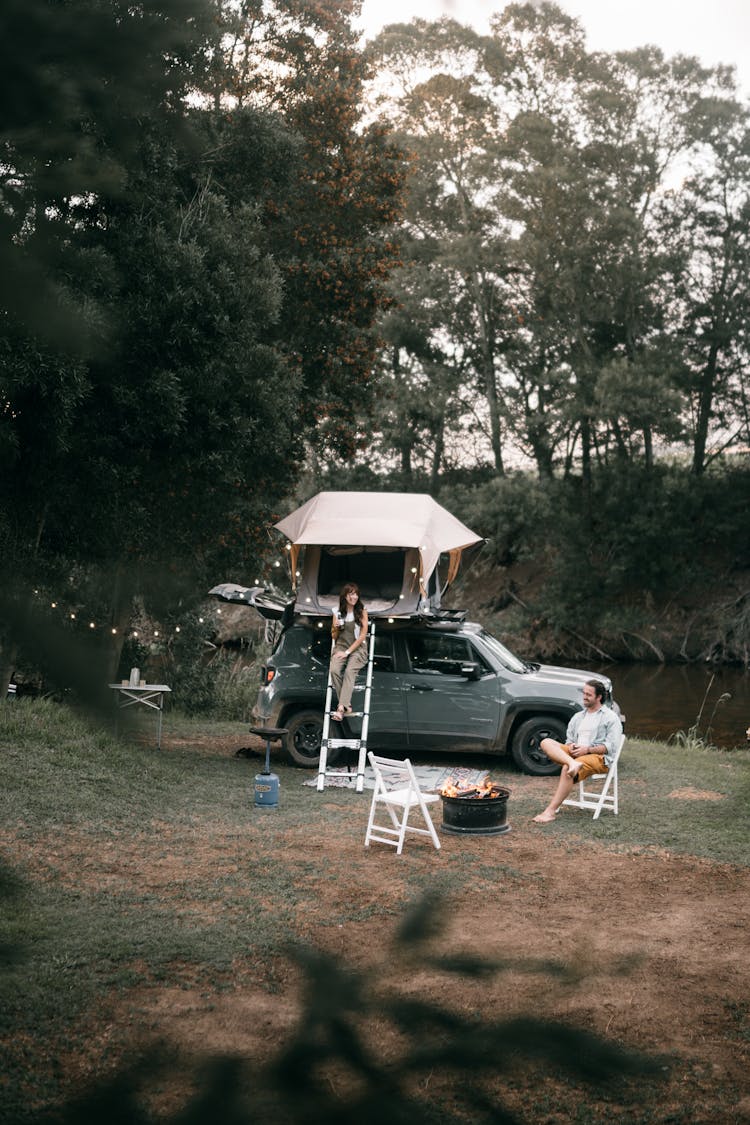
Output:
x=144 y=695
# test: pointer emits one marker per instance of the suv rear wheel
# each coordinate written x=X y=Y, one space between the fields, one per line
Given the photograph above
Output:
x=526 y=751
x=302 y=741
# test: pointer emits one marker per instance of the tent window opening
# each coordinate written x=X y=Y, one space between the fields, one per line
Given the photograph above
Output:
x=379 y=574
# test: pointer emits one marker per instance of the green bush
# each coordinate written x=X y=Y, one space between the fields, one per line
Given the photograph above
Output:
x=632 y=537
x=514 y=513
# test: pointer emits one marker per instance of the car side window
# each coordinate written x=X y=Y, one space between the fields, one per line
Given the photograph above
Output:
x=438 y=653
x=320 y=645
x=383 y=657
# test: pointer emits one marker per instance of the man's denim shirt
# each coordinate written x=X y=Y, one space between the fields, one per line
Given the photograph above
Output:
x=607 y=732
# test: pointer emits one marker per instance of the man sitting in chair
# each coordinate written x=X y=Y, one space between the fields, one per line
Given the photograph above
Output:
x=591 y=740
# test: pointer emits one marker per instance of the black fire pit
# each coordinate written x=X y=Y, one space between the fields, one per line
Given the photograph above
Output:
x=483 y=816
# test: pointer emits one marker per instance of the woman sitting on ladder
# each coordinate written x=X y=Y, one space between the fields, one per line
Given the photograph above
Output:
x=349 y=631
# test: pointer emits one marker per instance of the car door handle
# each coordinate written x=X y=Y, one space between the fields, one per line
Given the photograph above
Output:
x=421 y=687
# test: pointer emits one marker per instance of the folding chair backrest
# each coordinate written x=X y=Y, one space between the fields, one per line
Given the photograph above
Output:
x=397 y=794
x=393 y=774
x=607 y=796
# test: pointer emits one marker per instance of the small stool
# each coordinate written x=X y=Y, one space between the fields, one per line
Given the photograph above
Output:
x=267 y=783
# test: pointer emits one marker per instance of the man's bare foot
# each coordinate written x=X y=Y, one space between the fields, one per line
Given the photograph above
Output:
x=544 y=817
x=573 y=769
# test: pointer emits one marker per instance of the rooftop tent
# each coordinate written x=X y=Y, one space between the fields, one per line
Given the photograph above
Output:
x=389 y=543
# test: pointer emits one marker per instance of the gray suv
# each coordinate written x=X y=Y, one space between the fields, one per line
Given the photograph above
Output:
x=437 y=685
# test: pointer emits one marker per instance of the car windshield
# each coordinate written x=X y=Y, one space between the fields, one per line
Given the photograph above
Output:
x=503 y=654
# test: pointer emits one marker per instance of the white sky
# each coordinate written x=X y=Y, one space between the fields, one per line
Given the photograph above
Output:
x=715 y=32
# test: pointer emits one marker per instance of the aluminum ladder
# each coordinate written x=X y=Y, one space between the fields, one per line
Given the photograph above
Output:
x=360 y=743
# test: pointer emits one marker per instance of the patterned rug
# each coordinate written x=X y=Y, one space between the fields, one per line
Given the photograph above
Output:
x=430 y=778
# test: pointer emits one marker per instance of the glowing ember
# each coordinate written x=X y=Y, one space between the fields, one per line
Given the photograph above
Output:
x=483 y=790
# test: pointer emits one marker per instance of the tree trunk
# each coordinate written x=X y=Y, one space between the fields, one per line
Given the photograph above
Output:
x=585 y=434
x=705 y=404
x=437 y=457
x=648 y=447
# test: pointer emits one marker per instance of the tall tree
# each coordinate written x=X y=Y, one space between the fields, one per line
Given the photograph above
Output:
x=214 y=232
x=329 y=228
x=540 y=188
x=708 y=221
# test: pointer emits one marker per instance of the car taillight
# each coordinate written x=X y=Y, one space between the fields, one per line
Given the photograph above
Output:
x=267 y=674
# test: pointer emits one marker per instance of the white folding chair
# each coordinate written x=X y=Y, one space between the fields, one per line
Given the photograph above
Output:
x=604 y=798
x=397 y=792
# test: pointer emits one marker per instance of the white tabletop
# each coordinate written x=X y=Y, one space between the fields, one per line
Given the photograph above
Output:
x=140 y=687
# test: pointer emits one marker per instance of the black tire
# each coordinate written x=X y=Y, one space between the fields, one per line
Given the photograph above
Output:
x=302 y=740
x=525 y=750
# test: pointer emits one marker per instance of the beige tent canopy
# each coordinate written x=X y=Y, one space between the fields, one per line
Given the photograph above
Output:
x=390 y=543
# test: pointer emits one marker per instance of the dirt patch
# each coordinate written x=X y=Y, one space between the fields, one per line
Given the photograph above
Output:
x=691 y=794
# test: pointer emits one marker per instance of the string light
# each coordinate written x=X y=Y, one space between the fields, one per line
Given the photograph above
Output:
x=134 y=633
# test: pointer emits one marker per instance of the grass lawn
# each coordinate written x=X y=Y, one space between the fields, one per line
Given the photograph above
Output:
x=142 y=883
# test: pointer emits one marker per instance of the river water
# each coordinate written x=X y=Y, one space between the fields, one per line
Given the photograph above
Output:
x=658 y=700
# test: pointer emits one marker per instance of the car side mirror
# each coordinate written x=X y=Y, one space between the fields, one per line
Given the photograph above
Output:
x=470 y=669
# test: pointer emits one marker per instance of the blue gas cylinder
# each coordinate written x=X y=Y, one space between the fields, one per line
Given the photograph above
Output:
x=266 y=790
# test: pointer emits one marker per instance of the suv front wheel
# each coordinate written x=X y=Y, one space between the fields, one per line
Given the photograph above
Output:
x=526 y=751
x=302 y=741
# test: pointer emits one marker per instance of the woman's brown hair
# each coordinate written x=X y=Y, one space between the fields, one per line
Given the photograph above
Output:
x=359 y=606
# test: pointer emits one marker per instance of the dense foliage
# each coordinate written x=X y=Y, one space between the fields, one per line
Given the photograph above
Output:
x=574 y=289
x=199 y=257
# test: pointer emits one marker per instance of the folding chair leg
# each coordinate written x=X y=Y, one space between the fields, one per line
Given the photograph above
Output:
x=433 y=833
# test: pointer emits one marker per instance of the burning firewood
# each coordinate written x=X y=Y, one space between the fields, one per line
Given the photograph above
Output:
x=486 y=790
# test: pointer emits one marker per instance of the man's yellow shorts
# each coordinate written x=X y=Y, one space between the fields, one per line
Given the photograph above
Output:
x=590 y=763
